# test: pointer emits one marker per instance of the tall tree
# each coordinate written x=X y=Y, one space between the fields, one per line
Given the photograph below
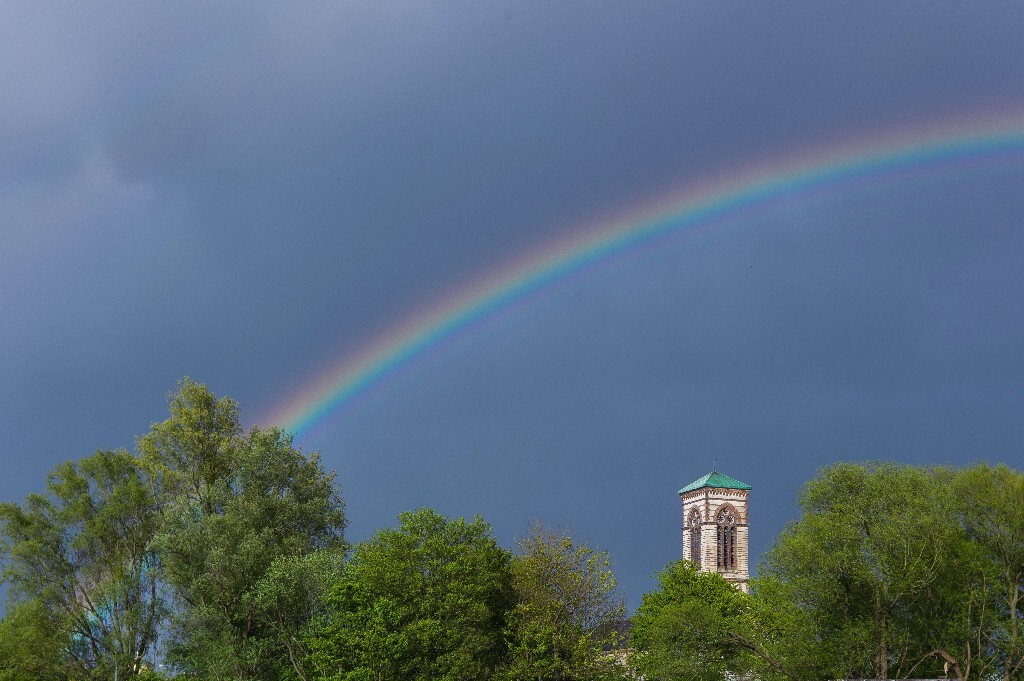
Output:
x=289 y=598
x=990 y=506
x=697 y=625
x=568 y=616
x=193 y=450
x=34 y=645
x=689 y=628
x=909 y=570
x=425 y=601
x=80 y=561
x=241 y=513
x=865 y=552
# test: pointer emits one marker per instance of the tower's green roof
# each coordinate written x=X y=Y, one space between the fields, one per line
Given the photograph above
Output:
x=715 y=479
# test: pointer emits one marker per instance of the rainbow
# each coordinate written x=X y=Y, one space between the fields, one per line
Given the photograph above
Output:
x=695 y=208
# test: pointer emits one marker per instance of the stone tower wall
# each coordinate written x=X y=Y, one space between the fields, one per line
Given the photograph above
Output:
x=708 y=501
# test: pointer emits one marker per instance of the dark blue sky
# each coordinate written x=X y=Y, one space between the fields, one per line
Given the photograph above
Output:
x=244 y=193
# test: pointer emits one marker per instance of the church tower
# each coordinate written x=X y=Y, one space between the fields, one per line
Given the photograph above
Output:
x=715 y=526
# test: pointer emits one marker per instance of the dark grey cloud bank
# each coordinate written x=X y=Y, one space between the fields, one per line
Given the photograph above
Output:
x=242 y=193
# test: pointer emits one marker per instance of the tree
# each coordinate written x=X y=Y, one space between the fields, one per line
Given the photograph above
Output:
x=81 y=568
x=221 y=539
x=192 y=451
x=699 y=626
x=242 y=514
x=908 y=570
x=690 y=627
x=989 y=503
x=891 y=571
x=33 y=645
x=426 y=601
x=567 y=615
x=863 y=557
x=289 y=598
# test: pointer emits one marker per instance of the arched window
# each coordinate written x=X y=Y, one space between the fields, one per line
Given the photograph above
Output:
x=695 y=536
x=726 y=521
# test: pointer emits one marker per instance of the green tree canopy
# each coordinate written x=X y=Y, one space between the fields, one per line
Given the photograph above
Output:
x=989 y=504
x=891 y=571
x=910 y=570
x=425 y=601
x=243 y=514
x=34 y=645
x=688 y=629
x=866 y=549
x=216 y=540
x=567 y=616
x=81 y=567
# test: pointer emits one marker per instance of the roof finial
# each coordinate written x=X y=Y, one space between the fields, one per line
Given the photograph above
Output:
x=714 y=462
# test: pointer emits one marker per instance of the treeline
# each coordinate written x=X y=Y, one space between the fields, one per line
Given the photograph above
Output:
x=213 y=553
x=891 y=572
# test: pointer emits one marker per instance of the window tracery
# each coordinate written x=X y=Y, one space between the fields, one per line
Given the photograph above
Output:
x=725 y=519
x=695 y=536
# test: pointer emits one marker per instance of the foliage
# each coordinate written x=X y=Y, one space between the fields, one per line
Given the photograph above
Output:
x=892 y=571
x=426 y=601
x=289 y=597
x=32 y=643
x=221 y=540
x=227 y=548
x=782 y=638
x=567 y=614
x=699 y=626
x=192 y=451
x=910 y=570
x=868 y=546
x=243 y=516
x=989 y=505
x=688 y=628
x=81 y=567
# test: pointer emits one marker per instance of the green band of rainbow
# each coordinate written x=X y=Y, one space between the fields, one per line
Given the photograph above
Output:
x=830 y=168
